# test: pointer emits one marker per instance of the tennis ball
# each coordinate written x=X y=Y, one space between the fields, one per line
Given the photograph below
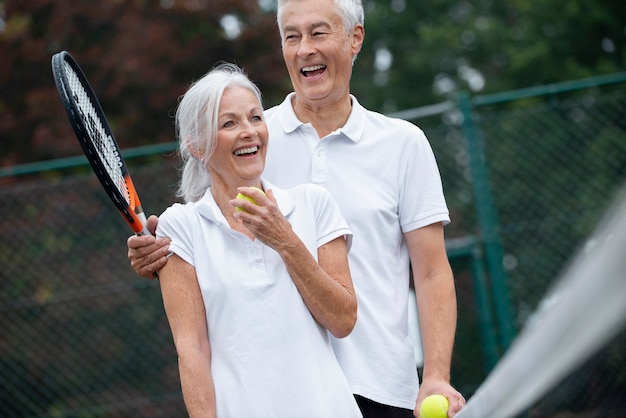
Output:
x=248 y=198
x=434 y=406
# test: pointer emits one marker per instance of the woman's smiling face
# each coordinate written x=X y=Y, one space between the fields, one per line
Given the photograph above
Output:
x=241 y=138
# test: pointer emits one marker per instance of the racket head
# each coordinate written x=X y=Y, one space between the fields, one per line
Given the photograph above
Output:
x=96 y=138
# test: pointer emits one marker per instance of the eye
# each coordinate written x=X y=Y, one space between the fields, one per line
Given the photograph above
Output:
x=228 y=124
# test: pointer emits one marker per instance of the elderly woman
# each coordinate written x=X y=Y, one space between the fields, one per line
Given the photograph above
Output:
x=258 y=276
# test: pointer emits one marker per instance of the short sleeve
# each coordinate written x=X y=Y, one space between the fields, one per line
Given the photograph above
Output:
x=176 y=223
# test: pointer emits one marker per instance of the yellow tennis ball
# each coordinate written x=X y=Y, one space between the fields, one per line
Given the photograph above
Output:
x=434 y=406
x=248 y=198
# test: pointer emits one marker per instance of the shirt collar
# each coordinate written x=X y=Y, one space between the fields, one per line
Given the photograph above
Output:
x=207 y=207
x=353 y=129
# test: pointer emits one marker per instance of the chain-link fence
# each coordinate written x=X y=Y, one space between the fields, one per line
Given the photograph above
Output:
x=82 y=336
x=526 y=180
x=529 y=174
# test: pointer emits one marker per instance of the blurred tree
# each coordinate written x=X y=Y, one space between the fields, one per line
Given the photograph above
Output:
x=419 y=53
x=139 y=56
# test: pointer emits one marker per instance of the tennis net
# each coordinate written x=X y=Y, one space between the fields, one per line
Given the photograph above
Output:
x=583 y=311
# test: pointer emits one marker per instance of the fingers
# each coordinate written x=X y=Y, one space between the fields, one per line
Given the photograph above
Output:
x=136 y=242
x=259 y=199
x=270 y=195
x=147 y=255
x=149 y=271
x=456 y=401
x=152 y=224
x=247 y=210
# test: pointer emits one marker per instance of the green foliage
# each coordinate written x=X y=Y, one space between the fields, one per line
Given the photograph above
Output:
x=139 y=57
x=445 y=46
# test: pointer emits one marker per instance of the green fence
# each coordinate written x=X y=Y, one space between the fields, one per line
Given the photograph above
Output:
x=527 y=175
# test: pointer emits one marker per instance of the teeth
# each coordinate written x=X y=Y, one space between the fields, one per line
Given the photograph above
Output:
x=248 y=150
x=314 y=67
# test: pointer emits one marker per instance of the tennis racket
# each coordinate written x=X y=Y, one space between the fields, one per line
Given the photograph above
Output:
x=96 y=138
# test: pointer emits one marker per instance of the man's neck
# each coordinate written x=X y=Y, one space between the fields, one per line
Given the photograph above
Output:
x=325 y=118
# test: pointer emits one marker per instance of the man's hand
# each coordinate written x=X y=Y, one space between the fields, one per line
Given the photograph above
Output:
x=456 y=401
x=146 y=253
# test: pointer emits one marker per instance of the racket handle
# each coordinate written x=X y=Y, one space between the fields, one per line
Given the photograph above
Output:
x=144 y=222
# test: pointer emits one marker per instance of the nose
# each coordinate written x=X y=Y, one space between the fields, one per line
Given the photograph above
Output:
x=248 y=129
x=306 y=47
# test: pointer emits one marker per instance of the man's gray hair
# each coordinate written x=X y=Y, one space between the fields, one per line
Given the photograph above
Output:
x=351 y=12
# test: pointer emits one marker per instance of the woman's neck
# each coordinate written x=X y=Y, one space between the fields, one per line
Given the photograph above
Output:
x=223 y=195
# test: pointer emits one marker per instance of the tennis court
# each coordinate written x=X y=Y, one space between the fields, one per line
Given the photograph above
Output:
x=528 y=176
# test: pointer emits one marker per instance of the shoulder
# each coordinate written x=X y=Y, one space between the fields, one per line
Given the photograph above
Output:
x=381 y=128
x=393 y=123
x=176 y=210
x=270 y=113
x=273 y=111
x=310 y=191
x=176 y=216
x=315 y=198
x=379 y=119
x=306 y=197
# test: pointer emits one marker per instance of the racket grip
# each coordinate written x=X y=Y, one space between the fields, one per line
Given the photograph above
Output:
x=144 y=222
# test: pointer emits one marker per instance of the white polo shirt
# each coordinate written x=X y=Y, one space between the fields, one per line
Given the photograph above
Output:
x=269 y=357
x=384 y=177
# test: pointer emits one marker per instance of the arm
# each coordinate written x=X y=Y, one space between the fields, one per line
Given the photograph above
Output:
x=146 y=253
x=184 y=307
x=436 y=302
x=325 y=285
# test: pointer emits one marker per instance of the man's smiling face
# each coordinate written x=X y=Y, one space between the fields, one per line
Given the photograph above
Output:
x=317 y=50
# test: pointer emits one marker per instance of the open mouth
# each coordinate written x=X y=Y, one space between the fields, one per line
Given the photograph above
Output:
x=313 y=70
x=247 y=151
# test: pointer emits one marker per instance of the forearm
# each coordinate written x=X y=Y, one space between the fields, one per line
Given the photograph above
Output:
x=437 y=310
x=184 y=306
x=197 y=385
x=436 y=300
x=329 y=295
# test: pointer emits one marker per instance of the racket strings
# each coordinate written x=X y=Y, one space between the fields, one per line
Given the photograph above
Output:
x=103 y=142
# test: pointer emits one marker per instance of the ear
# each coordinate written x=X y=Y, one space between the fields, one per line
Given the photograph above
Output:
x=193 y=149
x=358 y=35
x=196 y=154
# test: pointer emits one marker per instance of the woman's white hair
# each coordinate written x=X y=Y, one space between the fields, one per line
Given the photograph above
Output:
x=197 y=125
